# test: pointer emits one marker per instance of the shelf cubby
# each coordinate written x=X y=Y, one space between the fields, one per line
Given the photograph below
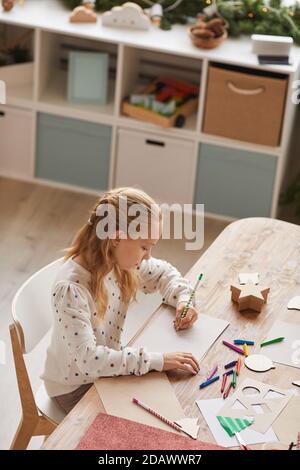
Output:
x=53 y=74
x=17 y=70
x=140 y=67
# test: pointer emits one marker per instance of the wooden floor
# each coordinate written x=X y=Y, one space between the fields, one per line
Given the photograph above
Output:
x=36 y=223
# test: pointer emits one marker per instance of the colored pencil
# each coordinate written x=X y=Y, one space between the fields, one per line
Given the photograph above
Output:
x=234 y=379
x=212 y=373
x=243 y=341
x=185 y=310
x=233 y=347
x=229 y=372
x=238 y=366
x=272 y=341
x=223 y=382
x=208 y=382
x=230 y=364
x=245 y=350
x=226 y=393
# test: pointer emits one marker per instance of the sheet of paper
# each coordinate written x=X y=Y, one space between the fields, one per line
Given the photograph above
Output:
x=138 y=313
x=160 y=334
x=287 y=424
x=211 y=408
x=288 y=351
x=154 y=389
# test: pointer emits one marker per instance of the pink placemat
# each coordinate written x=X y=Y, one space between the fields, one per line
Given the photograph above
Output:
x=113 y=433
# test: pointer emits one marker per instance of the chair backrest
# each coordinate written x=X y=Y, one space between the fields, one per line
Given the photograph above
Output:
x=31 y=306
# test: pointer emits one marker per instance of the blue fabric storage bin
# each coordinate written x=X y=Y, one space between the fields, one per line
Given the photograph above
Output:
x=234 y=182
x=73 y=151
x=88 y=77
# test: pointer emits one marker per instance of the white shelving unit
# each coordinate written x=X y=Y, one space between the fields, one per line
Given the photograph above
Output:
x=39 y=88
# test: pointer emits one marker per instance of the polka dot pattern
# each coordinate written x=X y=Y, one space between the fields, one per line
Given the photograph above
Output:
x=90 y=345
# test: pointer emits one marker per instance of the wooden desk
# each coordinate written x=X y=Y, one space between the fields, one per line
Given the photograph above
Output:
x=268 y=246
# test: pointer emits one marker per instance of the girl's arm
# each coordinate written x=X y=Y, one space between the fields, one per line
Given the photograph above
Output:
x=156 y=274
x=73 y=325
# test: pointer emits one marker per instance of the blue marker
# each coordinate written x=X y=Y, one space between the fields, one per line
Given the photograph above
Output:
x=208 y=382
x=244 y=341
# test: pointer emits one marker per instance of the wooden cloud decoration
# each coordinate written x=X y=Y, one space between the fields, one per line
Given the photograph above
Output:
x=129 y=15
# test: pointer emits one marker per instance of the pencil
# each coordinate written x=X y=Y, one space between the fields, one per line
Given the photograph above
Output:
x=154 y=413
x=185 y=310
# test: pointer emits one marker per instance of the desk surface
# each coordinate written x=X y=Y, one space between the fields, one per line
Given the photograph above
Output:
x=269 y=246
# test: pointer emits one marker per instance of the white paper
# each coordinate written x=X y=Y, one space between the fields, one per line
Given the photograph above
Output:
x=138 y=313
x=288 y=351
x=211 y=408
x=160 y=335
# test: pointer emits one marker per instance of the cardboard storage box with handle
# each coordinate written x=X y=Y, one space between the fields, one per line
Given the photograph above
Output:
x=244 y=104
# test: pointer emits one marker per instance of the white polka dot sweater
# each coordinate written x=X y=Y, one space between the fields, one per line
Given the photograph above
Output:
x=83 y=347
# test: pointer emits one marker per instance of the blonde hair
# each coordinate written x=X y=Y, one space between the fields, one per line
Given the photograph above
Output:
x=96 y=252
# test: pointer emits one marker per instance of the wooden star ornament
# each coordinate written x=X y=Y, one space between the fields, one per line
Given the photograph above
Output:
x=249 y=296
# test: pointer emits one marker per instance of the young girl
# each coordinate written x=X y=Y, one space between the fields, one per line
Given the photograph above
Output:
x=96 y=283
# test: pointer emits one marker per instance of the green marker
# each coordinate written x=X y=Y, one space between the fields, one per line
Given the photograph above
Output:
x=185 y=310
x=234 y=378
x=272 y=341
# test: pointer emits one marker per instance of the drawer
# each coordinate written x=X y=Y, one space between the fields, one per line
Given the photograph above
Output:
x=73 y=151
x=234 y=182
x=163 y=167
x=16 y=139
x=245 y=105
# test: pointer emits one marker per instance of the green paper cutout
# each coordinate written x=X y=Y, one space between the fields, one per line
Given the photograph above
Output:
x=234 y=425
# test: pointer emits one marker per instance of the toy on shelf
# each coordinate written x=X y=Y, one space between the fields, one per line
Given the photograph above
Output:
x=165 y=102
x=249 y=296
x=84 y=13
x=208 y=33
x=129 y=15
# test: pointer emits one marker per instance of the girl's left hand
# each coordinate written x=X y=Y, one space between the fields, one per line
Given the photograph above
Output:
x=188 y=321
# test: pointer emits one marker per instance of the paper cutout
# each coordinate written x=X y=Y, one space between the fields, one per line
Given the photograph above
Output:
x=288 y=351
x=249 y=296
x=160 y=335
x=294 y=303
x=271 y=407
x=189 y=426
x=244 y=278
x=234 y=425
x=211 y=408
x=287 y=424
x=129 y=15
x=258 y=363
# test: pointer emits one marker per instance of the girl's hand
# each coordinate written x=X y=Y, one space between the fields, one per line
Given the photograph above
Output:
x=182 y=361
x=188 y=321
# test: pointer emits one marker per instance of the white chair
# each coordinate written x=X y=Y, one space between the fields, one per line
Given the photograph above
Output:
x=32 y=315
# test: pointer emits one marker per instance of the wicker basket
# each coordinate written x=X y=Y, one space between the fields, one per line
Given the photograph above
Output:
x=210 y=43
